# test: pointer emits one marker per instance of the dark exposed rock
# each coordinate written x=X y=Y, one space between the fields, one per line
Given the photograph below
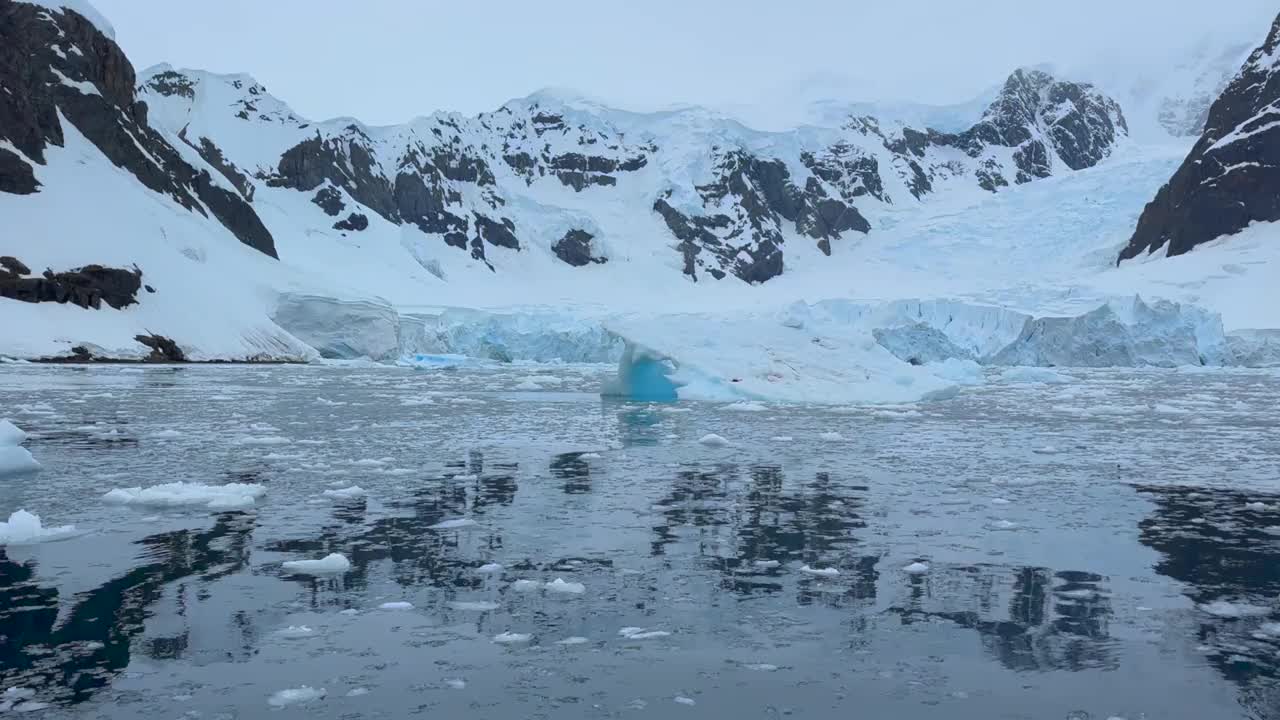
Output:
x=213 y=155
x=170 y=83
x=88 y=287
x=111 y=118
x=353 y=222
x=330 y=201
x=501 y=234
x=575 y=248
x=13 y=265
x=162 y=348
x=1231 y=178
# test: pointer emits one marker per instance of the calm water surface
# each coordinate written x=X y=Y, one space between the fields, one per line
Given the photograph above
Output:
x=1108 y=547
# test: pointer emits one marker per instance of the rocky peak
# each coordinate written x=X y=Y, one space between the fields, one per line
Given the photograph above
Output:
x=1231 y=178
x=54 y=61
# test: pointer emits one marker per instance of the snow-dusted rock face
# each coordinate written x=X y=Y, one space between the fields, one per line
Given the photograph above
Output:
x=56 y=65
x=1232 y=176
x=574 y=180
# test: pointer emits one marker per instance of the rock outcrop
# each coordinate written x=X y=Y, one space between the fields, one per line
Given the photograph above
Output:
x=58 y=63
x=1232 y=176
x=88 y=287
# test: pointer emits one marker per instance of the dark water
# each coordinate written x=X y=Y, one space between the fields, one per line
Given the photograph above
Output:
x=1105 y=548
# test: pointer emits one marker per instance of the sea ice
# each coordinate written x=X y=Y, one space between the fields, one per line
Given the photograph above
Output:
x=1232 y=611
x=489 y=568
x=916 y=568
x=24 y=528
x=357 y=692
x=639 y=633
x=295 y=696
x=11 y=434
x=176 y=494
x=1034 y=375
x=14 y=459
x=682 y=700
x=454 y=524
x=820 y=572
x=295 y=631
x=456 y=684
x=560 y=586
x=525 y=585
x=346 y=493
x=573 y=640
x=766 y=564
x=165 y=434
x=397 y=605
x=331 y=563
x=510 y=638
x=831 y=437
x=474 y=605
x=746 y=406
x=713 y=440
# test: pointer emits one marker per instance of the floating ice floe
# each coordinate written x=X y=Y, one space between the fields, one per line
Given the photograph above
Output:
x=1002 y=525
x=347 y=493
x=455 y=684
x=262 y=440
x=1034 y=375
x=489 y=569
x=24 y=528
x=713 y=440
x=510 y=638
x=454 y=524
x=357 y=692
x=525 y=585
x=474 y=605
x=296 y=696
x=639 y=633
x=1255 y=506
x=831 y=437
x=761 y=667
x=590 y=456
x=165 y=434
x=682 y=700
x=573 y=640
x=528 y=386
x=294 y=631
x=397 y=605
x=571 y=588
x=767 y=564
x=1232 y=611
x=746 y=406
x=14 y=458
x=329 y=564
x=820 y=572
x=916 y=568
x=177 y=494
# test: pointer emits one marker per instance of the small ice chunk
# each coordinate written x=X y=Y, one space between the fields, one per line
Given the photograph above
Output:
x=590 y=456
x=684 y=700
x=262 y=440
x=1255 y=506
x=18 y=693
x=713 y=440
x=831 y=437
x=347 y=493
x=11 y=434
x=528 y=386
x=349 y=612
x=560 y=586
x=15 y=460
x=573 y=640
x=525 y=585
x=24 y=528
x=510 y=638
x=489 y=569
x=296 y=696
x=454 y=524
x=357 y=692
x=639 y=633
x=820 y=572
x=766 y=564
x=916 y=568
x=1002 y=525
x=368 y=463
x=746 y=406
x=1232 y=611
x=474 y=605
x=456 y=684
x=397 y=605
x=782 y=438
x=999 y=501
x=1046 y=450
x=762 y=667
x=177 y=494
x=166 y=434
x=331 y=563
x=295 y=631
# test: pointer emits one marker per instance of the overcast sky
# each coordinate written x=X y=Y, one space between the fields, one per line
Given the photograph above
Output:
x=386 y=61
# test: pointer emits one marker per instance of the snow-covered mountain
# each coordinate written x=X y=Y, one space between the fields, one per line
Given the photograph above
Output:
x=541 y=174
x=203 y=218
x=1232 y=176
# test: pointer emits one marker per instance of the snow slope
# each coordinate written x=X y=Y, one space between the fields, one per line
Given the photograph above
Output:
x=558 y=229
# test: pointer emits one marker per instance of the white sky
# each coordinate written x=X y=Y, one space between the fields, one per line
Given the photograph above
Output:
x=386 y=61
